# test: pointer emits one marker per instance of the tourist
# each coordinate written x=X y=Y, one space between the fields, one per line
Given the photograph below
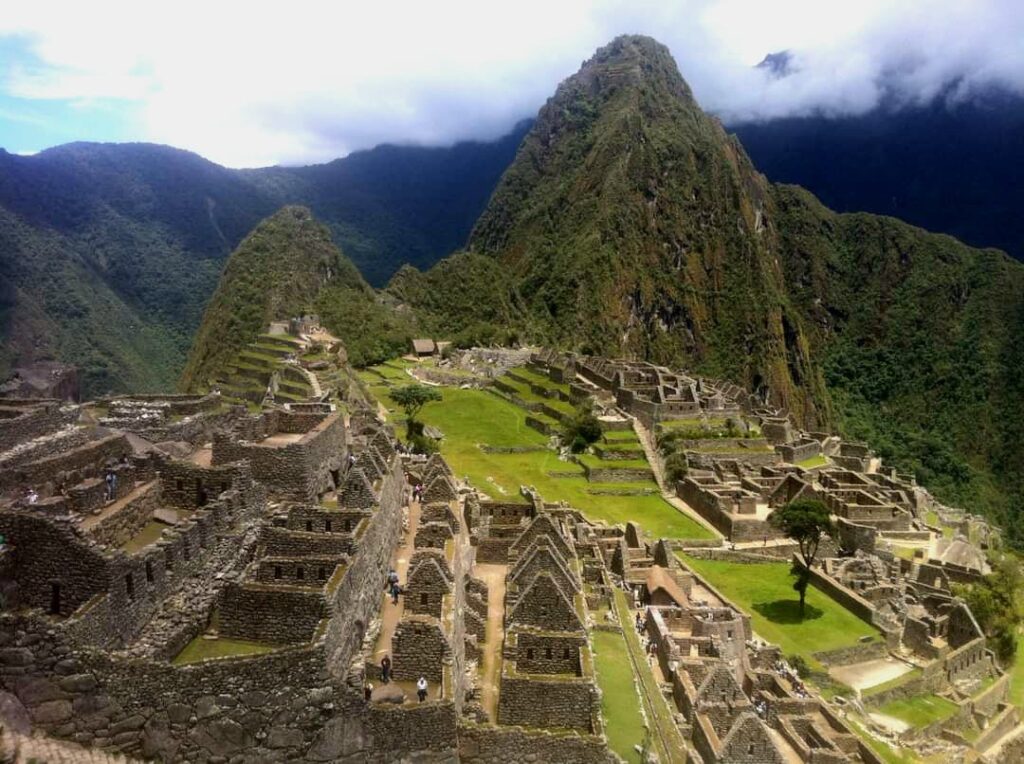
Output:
x=110 y=485
x=31 y=497
x=395 y=591
x=421 y=688
x=385 y=669
x=367 y=691
x=3 y=542
x=392 y=580
x=639 y=623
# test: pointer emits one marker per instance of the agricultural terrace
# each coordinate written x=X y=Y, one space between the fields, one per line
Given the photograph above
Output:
x=472 y=420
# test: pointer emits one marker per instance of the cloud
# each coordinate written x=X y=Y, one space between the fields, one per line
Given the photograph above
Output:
x=249 y=84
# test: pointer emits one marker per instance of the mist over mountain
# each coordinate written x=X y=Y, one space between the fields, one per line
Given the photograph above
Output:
x=948 y=165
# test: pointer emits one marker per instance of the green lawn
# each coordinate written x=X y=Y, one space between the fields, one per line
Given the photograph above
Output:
x=887 y=754
x=812 y=462
x=469 y=418
x=765 y=590
x=620 y=703
x=921 y=710
x=666 y=740
x=200 y=649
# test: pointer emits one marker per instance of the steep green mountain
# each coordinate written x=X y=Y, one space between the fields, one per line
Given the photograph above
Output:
x=634 y=224
x=109 y=252
x=288 y=266
x=276 y=272
x=631 y=222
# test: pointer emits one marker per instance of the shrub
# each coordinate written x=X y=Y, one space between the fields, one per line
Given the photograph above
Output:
x=583 y=427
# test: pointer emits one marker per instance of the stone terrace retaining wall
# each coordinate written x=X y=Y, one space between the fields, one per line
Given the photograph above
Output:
x=32 y=422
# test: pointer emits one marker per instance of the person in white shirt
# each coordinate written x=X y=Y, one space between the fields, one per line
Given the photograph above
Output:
x=421 y=688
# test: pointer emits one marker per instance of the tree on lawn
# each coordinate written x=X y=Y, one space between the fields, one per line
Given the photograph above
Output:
x=805 y=521
x=412 y=399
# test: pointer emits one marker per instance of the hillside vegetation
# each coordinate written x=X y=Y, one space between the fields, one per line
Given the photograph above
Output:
x=631 y=223
x=110 y=252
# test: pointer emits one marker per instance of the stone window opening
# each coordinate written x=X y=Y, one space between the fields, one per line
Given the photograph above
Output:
x=129 y=586
x=149 y=571
x=321 y=573
x=529 y=653
x=327 y=525
x=566 y=653
x=750 y=749
x=300 y=573
x=54 y=598
x=169 y=560
x=348 y=525
x=178 y=484
x=277 y=571
x=547 y=653
x=424 y=598
x=309 y=526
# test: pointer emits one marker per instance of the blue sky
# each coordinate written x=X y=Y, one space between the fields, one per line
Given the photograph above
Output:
x=250 y=83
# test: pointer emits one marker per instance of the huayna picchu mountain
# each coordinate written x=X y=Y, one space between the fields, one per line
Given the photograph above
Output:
x=631 y=223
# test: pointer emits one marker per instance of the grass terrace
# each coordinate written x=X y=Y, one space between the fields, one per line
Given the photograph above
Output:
x=921 y=710
x=813 y=462
x=200 y=648
x=765 y=590
x=620 y=704
x=471 y=418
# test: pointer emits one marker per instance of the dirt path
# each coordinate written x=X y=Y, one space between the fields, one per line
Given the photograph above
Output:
x=391 y=614
x=490 y=672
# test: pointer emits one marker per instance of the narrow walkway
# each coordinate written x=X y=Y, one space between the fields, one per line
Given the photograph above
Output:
x=391 y=614
x=92 y=520
x=314 y=383
x=490 y=671
x=651 y=452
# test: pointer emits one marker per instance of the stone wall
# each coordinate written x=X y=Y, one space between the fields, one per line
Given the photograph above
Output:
x=279 y=615
x=20 y=424
x=357 y=599
x=300 y=470
x=542 y=653
x=480 y=744
x=419 y=648
x=120 y=527
x=553 y=703
x=185 y=485
x=87 y=459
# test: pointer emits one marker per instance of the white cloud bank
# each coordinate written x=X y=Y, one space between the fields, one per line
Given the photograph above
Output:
x=248 y=84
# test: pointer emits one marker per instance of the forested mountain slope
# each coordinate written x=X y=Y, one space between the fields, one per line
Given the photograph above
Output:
x=109 y=252
x=632 y=223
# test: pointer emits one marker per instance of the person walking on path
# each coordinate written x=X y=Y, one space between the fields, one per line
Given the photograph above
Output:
x=110 y=485
x=367 y=691
x=395 y=591
x=392 y=580
x=421 y=688
x=385 y=669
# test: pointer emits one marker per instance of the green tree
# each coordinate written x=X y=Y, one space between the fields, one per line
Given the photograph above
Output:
x=806 y=521
x=412 y=399
x=996 y=603
x=582 y=429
